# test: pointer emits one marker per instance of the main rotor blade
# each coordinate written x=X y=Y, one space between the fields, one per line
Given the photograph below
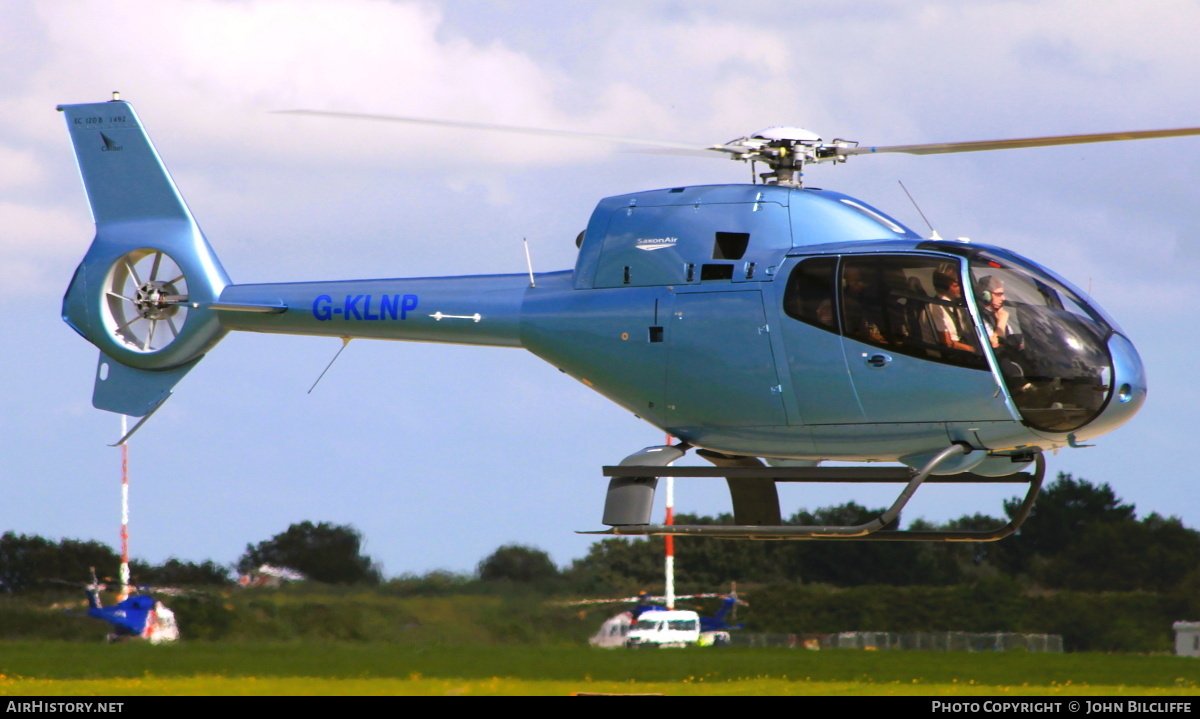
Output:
x=567 y=134
x=938 y=148
x=706 y=152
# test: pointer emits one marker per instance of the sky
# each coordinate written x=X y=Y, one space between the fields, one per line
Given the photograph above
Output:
x=439 y=454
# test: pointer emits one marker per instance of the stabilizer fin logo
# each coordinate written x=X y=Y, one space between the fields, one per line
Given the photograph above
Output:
x=109 y=145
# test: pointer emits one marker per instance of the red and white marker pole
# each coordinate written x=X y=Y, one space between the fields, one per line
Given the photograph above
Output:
x=670 y=539
x=124 y=515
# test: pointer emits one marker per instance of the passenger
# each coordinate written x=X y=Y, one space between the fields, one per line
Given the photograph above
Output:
x=857 y=304
x=951 y=323
x=916 y=314
x=896 y=304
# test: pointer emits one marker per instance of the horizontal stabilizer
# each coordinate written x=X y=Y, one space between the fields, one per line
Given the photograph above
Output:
x=131 y=391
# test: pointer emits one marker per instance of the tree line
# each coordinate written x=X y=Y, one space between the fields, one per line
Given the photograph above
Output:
x=1080 y=536
x=323 y=552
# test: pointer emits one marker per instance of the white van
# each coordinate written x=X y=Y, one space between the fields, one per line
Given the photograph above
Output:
x=664 y=628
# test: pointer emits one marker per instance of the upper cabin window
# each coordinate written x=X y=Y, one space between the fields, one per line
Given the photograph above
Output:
x=730 y=245
x=808 y=296
x=910 y=304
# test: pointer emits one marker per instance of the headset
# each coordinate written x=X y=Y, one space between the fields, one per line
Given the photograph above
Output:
x=986 y=284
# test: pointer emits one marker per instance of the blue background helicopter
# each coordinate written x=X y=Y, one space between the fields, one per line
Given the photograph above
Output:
x=944 y=79
x=139 y=616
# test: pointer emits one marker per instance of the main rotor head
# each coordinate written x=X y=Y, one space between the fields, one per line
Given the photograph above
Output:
x=785 y=150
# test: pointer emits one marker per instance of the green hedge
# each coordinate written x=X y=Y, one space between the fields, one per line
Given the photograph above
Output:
x=512 y=615
x=1110 y=621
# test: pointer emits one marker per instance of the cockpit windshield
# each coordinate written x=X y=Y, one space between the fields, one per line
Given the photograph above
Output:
x=1051 y=347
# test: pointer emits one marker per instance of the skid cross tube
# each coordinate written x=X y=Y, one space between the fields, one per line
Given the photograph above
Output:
x=866 y=531
x=839 y=475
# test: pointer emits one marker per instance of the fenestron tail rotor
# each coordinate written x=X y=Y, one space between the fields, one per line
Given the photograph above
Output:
x=145 y=300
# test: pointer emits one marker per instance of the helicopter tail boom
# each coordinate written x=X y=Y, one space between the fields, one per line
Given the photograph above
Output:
x=471 y=310
x=142 y=291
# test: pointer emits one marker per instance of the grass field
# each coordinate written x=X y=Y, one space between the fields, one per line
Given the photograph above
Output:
x=342 y=668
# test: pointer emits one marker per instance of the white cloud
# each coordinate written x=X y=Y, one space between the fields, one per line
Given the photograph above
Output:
x=19 y=168
x=212 y=70
x=41 y=247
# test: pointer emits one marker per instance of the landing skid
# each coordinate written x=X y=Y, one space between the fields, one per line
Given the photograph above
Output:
x=646 y=476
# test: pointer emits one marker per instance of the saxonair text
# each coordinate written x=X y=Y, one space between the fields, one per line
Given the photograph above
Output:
x=44 y=707
x=1131 y=706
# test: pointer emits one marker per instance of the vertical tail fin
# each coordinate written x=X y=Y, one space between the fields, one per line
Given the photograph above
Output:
x=140 y=294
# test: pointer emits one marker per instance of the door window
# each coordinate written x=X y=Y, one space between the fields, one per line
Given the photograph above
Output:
x=809 y=295
x=909 y=304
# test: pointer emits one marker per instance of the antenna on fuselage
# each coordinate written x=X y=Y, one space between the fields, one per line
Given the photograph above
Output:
x=345 y=344
x=933 y=235
x=529 y=262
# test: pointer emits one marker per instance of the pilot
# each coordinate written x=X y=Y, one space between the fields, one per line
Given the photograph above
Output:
x=950 y=320
x=1000 y=326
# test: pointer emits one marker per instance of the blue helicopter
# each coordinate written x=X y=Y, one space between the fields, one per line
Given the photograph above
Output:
x=770 y=326
x=137 y=616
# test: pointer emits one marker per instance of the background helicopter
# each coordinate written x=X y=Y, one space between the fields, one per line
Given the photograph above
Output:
x=278 y=198
x=710 y=630
x=139 y=616
x=136 y=615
